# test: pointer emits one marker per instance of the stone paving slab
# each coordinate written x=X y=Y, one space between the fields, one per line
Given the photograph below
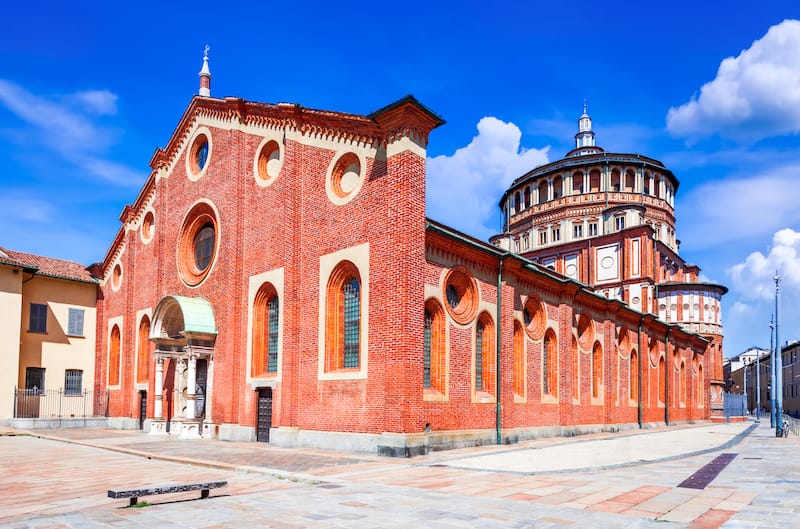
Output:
x=58 y=484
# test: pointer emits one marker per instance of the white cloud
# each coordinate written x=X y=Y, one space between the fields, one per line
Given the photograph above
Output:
x=753 y=96
x=753 y=278
x=726 y=211
x=25 y=207
x=464 y=189
x=97 y=101
x=67 y=128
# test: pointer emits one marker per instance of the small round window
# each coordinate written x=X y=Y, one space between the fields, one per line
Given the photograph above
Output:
x=197 y=245
x=268 y=162
x=533 y=312
x=345 y=178
x=199 y=154
x=461 y=294
x=116 y=277
x=147 y=227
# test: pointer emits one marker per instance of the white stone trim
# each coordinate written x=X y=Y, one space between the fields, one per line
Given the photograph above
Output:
x=277 y=137
x=191 y=175
x=362 y=176
x=430 y=394
x=276 y=279
x=359 y=256
x=139 y=315
x=118 y=321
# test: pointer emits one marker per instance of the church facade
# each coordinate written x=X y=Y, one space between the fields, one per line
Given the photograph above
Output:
x=276 y=279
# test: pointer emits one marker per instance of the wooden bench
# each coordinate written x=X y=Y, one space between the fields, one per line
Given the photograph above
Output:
x=134 y=494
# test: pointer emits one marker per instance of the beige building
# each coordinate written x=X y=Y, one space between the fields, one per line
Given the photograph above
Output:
x=47 y=337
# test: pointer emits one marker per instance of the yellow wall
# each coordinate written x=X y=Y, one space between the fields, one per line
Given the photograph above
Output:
x=55 y=351
x=10 y=305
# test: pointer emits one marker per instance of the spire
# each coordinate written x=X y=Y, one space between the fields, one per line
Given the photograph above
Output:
x=585 y=135
x=205 y=76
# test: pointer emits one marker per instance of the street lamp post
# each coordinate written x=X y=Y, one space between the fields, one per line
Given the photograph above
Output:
x=746 y=396
x=771 y=372
x=778 y=361
x=758 y=385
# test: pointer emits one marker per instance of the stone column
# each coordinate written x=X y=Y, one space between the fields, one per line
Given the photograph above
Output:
x=586 y=182
x=191 y=387
x=158 y=405
x=549 y=189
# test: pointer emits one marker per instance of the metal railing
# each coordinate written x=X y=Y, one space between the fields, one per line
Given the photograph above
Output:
x=793 y=424
x=734 y=405
x=56 y=403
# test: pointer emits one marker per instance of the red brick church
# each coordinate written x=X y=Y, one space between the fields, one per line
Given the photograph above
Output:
x=276 y=279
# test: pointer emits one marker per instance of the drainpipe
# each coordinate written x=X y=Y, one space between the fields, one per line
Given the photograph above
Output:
x=639 y=378
x=499 y=407
x=666 y=377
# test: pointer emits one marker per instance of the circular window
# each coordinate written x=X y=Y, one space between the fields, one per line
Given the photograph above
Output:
x=345 y=178
x=461 y=294
x=585 y=331
x=199 y=154
x=116 y=277
x=197 y=246
x=147 y=227
x=268 y=162
x=533 y=313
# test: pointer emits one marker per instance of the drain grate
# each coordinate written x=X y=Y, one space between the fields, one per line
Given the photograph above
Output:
x=704 y=476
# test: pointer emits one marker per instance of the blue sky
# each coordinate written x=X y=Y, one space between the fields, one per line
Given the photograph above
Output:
x=89 y=90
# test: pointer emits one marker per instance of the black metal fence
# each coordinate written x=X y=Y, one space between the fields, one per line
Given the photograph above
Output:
x=56 y=403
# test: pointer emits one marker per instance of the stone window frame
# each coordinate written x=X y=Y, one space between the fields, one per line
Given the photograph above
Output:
x=357 y=258
x=193 y=171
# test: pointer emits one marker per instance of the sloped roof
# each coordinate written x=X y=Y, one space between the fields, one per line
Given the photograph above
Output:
x=47 y=266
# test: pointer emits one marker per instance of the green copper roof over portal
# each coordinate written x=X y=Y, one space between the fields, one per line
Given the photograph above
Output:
x=197 y=313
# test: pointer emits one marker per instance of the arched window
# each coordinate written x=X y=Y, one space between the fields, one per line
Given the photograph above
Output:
x=550 y=364
x=343 y=318
x=577 y=183
x=701 y=392
x=594 y=181
x=615 y=184
x=143 y=352
x=576 y=369
x=113 y=356
x=558 y=184
x=435 y=363
x=662 y=389
x=266 y=311
x=484 y=354
x=634 y=375
x=682 y=384
x=519 y=359
x=597 y=369
x=542 y=191
x=527 y=196
x=630 y=181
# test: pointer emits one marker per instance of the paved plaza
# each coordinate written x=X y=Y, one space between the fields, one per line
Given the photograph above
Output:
x=59 y=478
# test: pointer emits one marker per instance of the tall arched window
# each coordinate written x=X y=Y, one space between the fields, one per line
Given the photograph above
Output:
x=143 y=352
x=701 y=392
x=343 y=318
x=682 y=384
x=550 y=364
x=633 y=375
x=484 y=354
x=519 y=359
x=576 y=369
x=435 y=363
x=266 y=312
x=597 y=369
x=113 y=357
x=662 y=389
